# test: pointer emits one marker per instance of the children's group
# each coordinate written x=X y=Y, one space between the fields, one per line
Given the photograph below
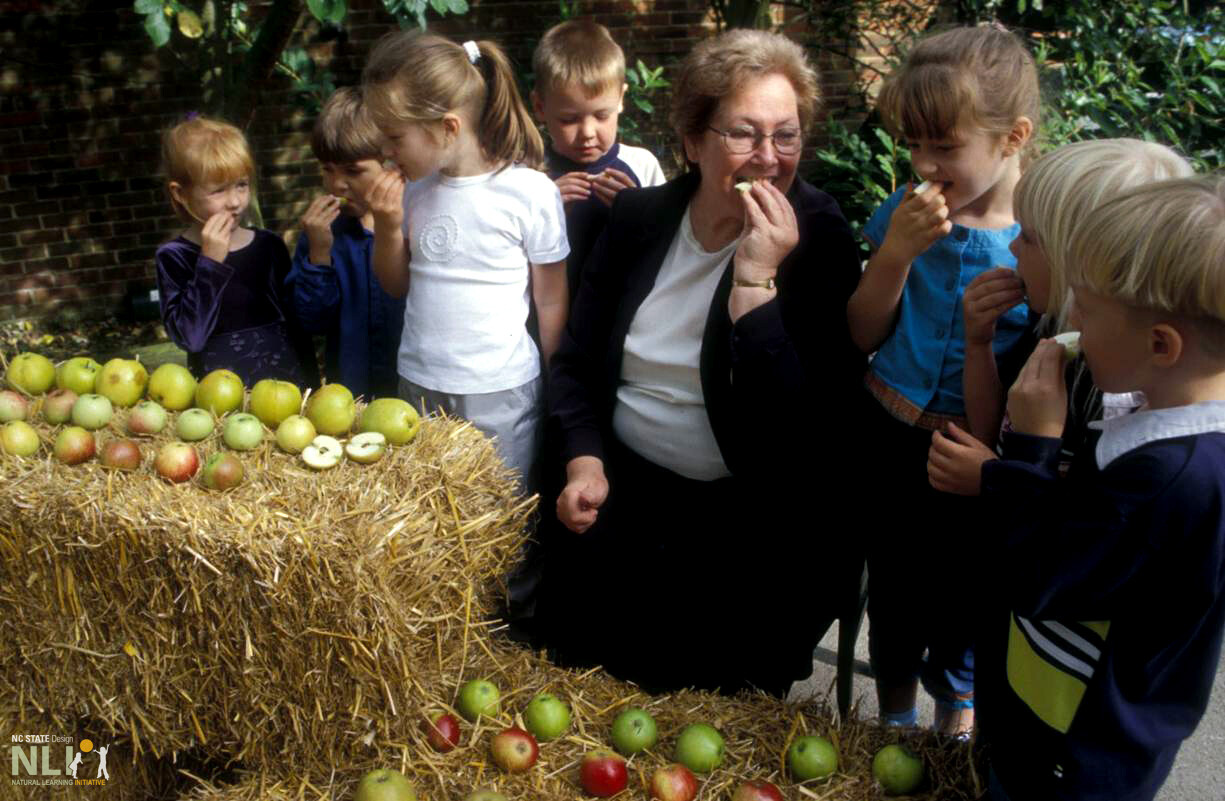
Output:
x=1038 y=436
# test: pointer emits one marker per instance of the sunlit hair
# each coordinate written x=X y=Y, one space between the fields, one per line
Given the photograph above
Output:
x=978 y=78
x=719 y=67
x=344 y=132
x=1159 y=247
x=414 y=77
x=1059 y=190
x=578 y=52
x=204 y=151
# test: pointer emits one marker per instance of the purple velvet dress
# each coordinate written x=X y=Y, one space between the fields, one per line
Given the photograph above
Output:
x=232 y=314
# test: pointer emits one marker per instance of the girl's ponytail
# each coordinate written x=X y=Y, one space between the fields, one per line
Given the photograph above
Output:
x=420 y=77
x=505 y=128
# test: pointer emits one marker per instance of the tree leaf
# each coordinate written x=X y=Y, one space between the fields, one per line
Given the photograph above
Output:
x=147 y=6
x=332 y=11
x=157 y=27
x=458 y=6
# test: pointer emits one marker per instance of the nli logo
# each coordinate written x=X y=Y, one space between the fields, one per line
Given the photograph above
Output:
x=35 y=760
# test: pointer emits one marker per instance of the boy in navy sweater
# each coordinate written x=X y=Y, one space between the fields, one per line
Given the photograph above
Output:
x=333 y=289
x=579 y=95
x=1116 y=574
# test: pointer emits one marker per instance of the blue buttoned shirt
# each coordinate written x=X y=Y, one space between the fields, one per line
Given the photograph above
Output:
x=917 y=373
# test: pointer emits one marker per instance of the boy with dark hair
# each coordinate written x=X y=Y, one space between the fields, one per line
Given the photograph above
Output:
x=332 y=285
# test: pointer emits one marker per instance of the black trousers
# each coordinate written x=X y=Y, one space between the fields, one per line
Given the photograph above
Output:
x=682 y=583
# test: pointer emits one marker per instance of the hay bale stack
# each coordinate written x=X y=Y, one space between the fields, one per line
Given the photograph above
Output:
x=757 y=730
x=291 y=620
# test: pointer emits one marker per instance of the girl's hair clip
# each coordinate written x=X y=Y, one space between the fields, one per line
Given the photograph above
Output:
x=474 y=52
x=191 y=115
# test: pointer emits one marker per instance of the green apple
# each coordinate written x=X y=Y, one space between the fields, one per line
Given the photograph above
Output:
x=547 y=717
x=699 y=747
x=272 y=401
x=122 y=381
x=394 y=418
x=173 y=386
x=31 y=373
x=485 y=795
x=633 y=731
x=332 y=410
x=194 y=425
x=479 y=697
x=220 y=392
x=91 y=412
x=242 y=431
x=295 y=433
x=384 y=785
x=897 y=769
x=19 y=438
x=811 y=757
x=79 y=374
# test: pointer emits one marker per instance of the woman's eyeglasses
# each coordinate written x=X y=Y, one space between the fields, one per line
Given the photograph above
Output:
x=744 y=140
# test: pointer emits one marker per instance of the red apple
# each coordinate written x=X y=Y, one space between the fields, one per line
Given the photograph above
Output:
x=602 y=773
x=757 y=791
x=13 y=406
x=514 y=750
x=442 y=730
x=177 y=462
x=57 y=406
x=74 y=445
x=222 y=471
x=123 y=454
x=674 y=783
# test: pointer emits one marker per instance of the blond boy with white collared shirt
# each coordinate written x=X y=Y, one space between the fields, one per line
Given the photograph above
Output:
x=1116 y=575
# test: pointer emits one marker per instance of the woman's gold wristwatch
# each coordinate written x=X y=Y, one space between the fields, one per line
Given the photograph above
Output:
x=766 y=284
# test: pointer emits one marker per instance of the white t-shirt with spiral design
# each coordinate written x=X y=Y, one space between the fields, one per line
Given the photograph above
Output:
x=472 y=240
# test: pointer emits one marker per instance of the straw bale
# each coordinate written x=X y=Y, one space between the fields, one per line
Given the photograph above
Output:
x=757 y=730
x=285 y=620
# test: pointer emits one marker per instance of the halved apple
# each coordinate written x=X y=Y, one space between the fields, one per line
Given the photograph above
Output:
x=366 y=448
x=323 y=453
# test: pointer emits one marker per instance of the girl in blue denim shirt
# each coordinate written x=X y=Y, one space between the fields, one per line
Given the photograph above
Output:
x=967 y=103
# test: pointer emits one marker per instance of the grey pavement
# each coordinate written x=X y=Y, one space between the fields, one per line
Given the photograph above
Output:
x=1199 y=771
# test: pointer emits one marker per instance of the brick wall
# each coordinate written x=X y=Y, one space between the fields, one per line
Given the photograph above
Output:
x=83 y=98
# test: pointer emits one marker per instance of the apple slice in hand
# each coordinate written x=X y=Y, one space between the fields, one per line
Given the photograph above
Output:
x=1071 y=343
x=323 y=453
x=366 y=448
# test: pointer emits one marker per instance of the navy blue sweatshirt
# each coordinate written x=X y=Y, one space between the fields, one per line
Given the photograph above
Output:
x=345 y=302
x=586 y=219
x=1116 y=579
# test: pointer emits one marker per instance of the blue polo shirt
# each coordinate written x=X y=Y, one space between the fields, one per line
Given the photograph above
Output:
x=917 y=373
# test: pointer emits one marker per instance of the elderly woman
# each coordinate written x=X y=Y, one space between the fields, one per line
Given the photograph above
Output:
x=701 y=394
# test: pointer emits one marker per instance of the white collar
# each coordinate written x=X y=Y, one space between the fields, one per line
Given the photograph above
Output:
x=1122 y=435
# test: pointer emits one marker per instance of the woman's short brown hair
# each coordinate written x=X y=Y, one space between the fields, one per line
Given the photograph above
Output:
x=718 y=67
